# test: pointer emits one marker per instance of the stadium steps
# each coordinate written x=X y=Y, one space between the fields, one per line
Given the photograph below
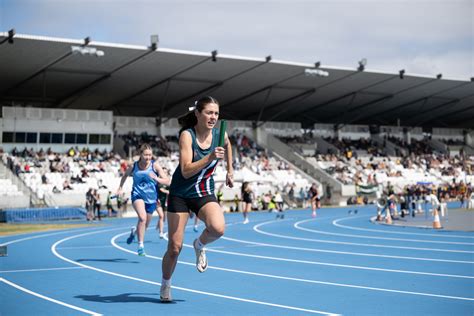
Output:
x=438 y=146
x=315 y=174
x=6 y=173
x=324 y=147
x=389 y=148
x=468 y=150
x=118 y=147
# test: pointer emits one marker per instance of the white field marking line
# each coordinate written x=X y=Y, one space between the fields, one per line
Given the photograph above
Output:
x=345 y=252
x=334 y=264
x=296 y=225
x=295 y=279
x=85 y=247
x=257 y=244
x=54 y=246
x=41 y=236
x=214 y=249
x=256 y=228
x=335 y=223
x=37 y=270
x=48 y=298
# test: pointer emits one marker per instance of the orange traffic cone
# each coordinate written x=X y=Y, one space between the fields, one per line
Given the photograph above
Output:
x=388 y=218
x=436 y=222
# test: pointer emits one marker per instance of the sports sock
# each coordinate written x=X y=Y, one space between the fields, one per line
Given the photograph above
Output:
x=199 y=244
x=166 y=282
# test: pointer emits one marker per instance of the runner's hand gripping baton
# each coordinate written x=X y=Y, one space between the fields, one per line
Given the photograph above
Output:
x=222 y=133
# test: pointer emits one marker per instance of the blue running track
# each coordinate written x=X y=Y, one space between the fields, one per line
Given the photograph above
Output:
x=337 y=263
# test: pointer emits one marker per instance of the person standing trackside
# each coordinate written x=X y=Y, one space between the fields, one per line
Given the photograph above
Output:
x=315 y=199
x=97 y=203
x=247 y=200
x=144 y=193
x=192 y=186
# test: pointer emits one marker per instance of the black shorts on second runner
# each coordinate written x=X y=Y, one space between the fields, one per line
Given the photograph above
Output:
x=177 y=204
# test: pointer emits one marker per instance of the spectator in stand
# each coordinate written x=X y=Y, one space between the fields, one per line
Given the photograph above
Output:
x=85 y=173
x=100 y=184
x=66 y=185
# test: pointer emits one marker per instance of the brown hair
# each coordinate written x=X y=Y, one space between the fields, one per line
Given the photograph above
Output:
x=144 y=147
x=190 y=120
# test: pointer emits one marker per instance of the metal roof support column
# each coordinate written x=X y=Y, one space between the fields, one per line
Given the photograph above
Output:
x=42 y=69
x=163 y=102
x=200 y=92
x=263 y=105
x=457 y=101
x=87 y=40
x=306 y=94
x=415 y=101
x=44 y=88
x=219 y=84
x=469 y=108
x=79 y=92
x=156 y=84
x=412 y=118
x=260 y=90
x=338 y=98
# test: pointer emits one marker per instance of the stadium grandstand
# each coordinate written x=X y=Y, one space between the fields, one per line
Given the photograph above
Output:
x=75 y=111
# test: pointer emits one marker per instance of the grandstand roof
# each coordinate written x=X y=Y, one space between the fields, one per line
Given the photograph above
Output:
x=136 y=80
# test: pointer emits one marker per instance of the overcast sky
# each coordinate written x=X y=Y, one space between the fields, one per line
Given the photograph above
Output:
x=423 y=36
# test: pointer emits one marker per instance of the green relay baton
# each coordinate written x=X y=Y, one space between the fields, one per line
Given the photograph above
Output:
x=222 y=133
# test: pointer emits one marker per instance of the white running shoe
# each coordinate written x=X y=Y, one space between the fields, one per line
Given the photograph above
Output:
x=201 y=259
x=165 y=293
x=246 y=220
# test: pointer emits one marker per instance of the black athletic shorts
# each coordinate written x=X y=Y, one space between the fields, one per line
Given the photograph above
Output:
x=177 y=204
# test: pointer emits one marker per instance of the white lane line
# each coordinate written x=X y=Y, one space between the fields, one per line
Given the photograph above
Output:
x=293 y=279
x=256 y=228
x=336 y=223
x=85 y=247
x=48 y=298
x=54 y=246
x=41 y=236
x=345 y=252
x=333 y=264
x=36 y=270
x=297 y=226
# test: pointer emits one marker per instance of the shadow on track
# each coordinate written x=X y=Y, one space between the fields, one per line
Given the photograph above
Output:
x=125 y=298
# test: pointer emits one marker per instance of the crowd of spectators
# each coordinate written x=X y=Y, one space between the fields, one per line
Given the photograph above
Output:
x=77 y=167
x=160 y=145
